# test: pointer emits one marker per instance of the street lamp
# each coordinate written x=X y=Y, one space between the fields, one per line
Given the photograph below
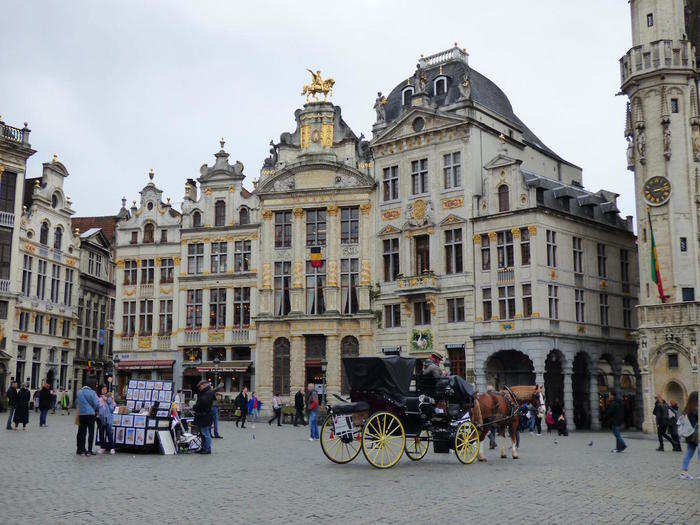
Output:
x=324 y=366
x=116 y=362
x=216 y=370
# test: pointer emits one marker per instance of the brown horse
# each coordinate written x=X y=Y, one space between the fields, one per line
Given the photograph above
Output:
x=501 y=410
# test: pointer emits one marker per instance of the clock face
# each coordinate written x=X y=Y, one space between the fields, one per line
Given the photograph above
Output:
x=657 y=190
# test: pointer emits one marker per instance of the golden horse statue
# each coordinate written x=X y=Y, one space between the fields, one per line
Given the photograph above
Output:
x=318 y=85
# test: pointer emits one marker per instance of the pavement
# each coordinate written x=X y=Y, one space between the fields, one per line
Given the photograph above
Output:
x=275 y=475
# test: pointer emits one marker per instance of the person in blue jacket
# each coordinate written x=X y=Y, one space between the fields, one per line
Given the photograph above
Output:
x=88 y=408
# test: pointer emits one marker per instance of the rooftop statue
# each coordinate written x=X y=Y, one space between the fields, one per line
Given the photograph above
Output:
x=318 y=85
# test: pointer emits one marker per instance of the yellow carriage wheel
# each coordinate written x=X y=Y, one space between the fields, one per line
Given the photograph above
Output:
x=334 y=448
x=383 y=440
x=467 y=443
x=417 y=446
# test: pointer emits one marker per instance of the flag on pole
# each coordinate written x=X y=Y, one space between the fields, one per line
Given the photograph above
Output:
x=655 y=270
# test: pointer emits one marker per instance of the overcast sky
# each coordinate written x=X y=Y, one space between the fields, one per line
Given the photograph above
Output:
x=117 y=88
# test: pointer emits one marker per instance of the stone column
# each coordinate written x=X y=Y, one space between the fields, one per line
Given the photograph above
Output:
x=593 y=396
x=332 y=259
x=480 y=379
x=648 y=421
x=263 y=367
x=568 y=396
x=297 y=363
x=539 y=378
x=365 y=263
x=333 y=367
x=298 y=261
x=265 y=303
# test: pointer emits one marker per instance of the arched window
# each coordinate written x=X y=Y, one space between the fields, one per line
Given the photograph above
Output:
x=220 y=213
x=196 y=220
x=503 y=198
x=57 y=237
x=55 y=200
x=244 y=215
x=44 y=234
x=440 y=86
x=148 y=233
x=406 y=95
x=280 y=367
x=349 y=347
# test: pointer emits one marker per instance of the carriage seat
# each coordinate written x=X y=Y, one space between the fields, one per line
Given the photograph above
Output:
x=350 y=408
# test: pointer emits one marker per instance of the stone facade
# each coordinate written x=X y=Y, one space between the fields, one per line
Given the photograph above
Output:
x=14 y=152
x=658 y=74
x=147 y=256
x=316 y=196
x=46 y=313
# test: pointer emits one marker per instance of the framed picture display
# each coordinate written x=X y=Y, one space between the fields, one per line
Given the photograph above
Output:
x=119 y=434
x=158 y=385
x=142 y=395
x=129 y=436
x=140 y=436
x=165 y=440
x=130 y=404
x=138 y=405
x=116 y=420
x=128 y=420
x=163 y=423
x=152 y=423
x=150 y=436
x=140 y=421
x=141 y=385
x=132 y=383
x=162 y=413
x=167 y=385
x=150 y=385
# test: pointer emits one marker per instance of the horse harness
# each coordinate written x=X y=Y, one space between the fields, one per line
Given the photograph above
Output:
x=511 y=402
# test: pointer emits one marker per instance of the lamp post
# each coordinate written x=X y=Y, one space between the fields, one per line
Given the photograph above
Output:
x=324 y=366
x=216 y=370
x=116 y=362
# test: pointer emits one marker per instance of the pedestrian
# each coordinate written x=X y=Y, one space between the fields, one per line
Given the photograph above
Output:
x=661 y=409
x=299 y=407
x=254 y=405
x=531 y=413
x=177 y=401
x=540 y=410
x=11 y=402
x=22 y=407
x=35 y=398
x=54 y=398
x=202 y=414
x=312 y=409
x=691 y=414
x=549 y=419
x=215 y=411
x=277 y=409
x=242 y=406
x=673 y=425
x=107 y=406
x=65 y=402
x=562 y=425
x=88 y=409
x=44 y=403
x=616 y=416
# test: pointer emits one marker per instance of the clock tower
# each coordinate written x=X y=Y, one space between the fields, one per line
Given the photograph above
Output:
x=660 y=77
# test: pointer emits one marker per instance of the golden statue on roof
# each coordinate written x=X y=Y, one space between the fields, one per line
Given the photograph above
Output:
x=318 y=85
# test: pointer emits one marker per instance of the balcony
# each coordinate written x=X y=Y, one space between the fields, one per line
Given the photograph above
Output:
x=663 y=54
x=192 y=336
x=146 y=289
x=417 y=284
x=7 y=219
x=127 y=343
x=4 y=286
x=669 y=314
x=506 y=275
x=13 y=134
x=240 y=335
x=163 y=342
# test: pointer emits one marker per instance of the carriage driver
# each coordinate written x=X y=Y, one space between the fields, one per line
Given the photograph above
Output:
x=432 y=366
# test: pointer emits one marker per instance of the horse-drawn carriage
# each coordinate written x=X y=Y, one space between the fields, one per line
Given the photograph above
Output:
x=385 y=418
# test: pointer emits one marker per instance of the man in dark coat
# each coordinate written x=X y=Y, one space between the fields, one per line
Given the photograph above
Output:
x=11 y=402
x=44 y=403
x=616 y=416
x=299 y=407
x=22 y=407
x=661 y=409
x=242 y=405
x=202 y=414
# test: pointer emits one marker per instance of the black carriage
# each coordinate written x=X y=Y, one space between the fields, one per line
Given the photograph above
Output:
x=385 y=418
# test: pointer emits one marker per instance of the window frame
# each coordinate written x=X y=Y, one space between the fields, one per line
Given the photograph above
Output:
x=350 y=225
x=454 y=251
x=391 y=256
x=283 y=229
x=390 y=183
x=452 y=170
x=419 y=176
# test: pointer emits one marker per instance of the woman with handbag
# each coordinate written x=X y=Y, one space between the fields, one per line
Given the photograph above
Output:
x=688 y=428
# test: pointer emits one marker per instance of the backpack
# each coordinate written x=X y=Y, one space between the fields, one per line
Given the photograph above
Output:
x=685 y=428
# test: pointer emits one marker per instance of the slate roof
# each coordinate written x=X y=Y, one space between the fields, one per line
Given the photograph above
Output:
x=483 y=92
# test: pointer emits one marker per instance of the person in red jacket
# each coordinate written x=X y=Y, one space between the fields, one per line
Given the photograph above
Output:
x=312 y=409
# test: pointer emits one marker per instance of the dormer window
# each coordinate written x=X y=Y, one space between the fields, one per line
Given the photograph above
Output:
x=406 y=96
x=148 y=233
x=650 y=20
x=503 y=198
x=244 y=216
x=219 y=213
x=44 y=233
x=196 y=220
x=440 y=86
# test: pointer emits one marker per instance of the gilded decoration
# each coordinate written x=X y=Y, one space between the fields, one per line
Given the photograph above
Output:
x=318 y=85
x=144 y=343
x=332 y=273
x=298 y=212
x=207 y=192
x=166 y=291
x=327 y=135
x=29 y=248
x=456 y=202
x=516 y=233
x=267 y=276
x=176 y=260
x=477 y=238
x=492 y=236
x=129 y=292
x=304 y=136
x=332 y=210
x=364 y=208
x=297 y=274
x=216 y=336
x=120 y=263
x=532 y=230
x=389 y=215
x=267 y=214
x=365 y=274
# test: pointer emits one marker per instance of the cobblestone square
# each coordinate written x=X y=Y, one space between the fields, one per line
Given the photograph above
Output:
x=275 y=475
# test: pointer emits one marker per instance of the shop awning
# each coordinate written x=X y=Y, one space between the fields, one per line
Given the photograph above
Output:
x=225 y=366
x=152 y=364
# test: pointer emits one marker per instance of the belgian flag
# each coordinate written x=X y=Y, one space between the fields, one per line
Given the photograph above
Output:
x=655 y=270
x=315 y=257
